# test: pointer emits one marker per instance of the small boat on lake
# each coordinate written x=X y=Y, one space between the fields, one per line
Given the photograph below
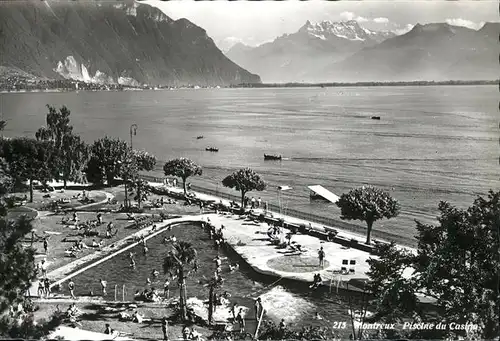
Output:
x=272 y=157
x=375 y=117
x=199 y=137
x=212 y=149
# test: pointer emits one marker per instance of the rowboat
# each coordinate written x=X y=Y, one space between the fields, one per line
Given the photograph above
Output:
x=272 y=157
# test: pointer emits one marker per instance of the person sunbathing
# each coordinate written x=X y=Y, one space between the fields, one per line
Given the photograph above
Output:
x=136 y=317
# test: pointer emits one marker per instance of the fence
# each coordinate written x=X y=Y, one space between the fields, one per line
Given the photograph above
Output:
x=298 y=214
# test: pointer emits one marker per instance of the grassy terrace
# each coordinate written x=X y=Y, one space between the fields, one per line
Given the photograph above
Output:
x=62 y=236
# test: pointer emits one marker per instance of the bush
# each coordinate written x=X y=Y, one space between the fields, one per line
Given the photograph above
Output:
x=131 y=209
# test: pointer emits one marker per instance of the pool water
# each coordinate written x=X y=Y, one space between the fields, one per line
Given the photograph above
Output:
x=283 y=299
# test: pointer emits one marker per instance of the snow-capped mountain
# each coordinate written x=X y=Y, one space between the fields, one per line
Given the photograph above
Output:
x=290 y=57
x=435 y=51
x=349 y=30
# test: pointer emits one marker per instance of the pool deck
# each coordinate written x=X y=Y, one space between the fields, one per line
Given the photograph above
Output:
x=249 y=240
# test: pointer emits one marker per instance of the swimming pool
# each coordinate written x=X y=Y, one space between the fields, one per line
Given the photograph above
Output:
x=283 y=299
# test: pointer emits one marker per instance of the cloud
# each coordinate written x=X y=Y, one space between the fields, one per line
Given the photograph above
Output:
x=381 y=20
x=465 y=23
x=402 y=30
x=347 y=16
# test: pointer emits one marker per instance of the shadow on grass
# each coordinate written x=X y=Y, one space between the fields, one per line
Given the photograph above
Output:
x=94 y=317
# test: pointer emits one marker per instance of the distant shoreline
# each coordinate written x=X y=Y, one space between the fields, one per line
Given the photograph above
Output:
x=262 y=85
x=364 y=84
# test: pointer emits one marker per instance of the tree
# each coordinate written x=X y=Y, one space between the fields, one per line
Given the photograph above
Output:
x=106 y=155
x=28 y=159
x=244 y=180
x=145 y=161
x=128 y=170
x=183 y=168
x=456 y=263
x=142 y=191
x=17 y=272
x=71 y=153
x=73 y=158
x=178 y=259
x=368 y=204
x=57 y=126
x=6 y=182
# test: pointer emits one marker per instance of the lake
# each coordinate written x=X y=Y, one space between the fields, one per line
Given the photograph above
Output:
x=432 y=143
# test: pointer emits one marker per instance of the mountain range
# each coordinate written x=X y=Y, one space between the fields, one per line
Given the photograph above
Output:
x=111 y=42
x=133 y=43
x=293 y=57
x=346 y=52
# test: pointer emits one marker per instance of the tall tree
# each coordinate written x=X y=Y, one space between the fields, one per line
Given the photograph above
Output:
x=57 y=126
x=71 y=153
x=17 y=273
x=128 y=170
x=244 y=180
x=17 y=264
x=182 y=168
x=456 y=263
x=73 y=156
x=367 y=204
x=106 y=156
x=182 y=256
x=28 y=159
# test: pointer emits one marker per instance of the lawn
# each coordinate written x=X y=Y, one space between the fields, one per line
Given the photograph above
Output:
x=61 y=236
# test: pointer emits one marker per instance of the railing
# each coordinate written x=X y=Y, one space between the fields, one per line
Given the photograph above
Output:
x=297 y=214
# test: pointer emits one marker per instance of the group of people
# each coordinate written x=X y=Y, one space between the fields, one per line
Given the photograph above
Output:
x=43 y=287
x=317 y=281
x=277 y=235
x=215 y=234
x=254 y=203
x=148 y=295
x=73 y=313
x=190 y=333
x=79 y=246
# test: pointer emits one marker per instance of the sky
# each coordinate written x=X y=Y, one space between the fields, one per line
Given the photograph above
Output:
x=256 y=22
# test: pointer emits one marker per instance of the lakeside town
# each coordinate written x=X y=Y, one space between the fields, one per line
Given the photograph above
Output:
x=69 y=206
x=23 y=83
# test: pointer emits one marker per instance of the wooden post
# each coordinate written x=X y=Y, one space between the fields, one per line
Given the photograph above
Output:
x=115 y=292
x=123 y=293
x=258 y=325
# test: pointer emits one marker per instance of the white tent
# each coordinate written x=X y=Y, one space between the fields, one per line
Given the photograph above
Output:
x=324 y=193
